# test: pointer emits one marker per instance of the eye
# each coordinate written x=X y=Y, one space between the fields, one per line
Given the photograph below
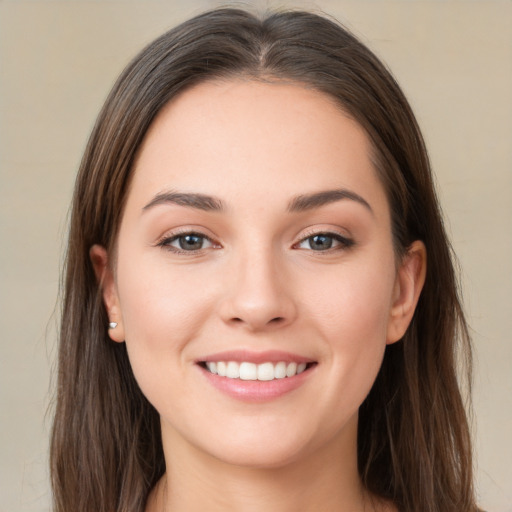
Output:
x=322 y=242
x=186 y=242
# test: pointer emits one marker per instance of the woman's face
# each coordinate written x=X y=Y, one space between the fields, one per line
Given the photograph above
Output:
x=256 y=241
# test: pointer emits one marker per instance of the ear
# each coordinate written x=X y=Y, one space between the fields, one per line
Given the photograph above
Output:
x=105 y=278
x=409 y=282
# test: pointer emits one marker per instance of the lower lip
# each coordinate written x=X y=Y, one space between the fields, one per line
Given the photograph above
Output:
x=257 y=390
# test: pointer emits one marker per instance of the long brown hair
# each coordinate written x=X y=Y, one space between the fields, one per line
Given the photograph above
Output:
x=413 y=443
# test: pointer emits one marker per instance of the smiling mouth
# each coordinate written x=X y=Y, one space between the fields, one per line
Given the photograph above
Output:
x=251 y=371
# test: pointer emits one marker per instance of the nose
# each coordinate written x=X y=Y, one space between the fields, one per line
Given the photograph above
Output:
x=259 y=296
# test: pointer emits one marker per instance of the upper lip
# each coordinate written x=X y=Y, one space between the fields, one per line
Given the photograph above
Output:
x=268 y=356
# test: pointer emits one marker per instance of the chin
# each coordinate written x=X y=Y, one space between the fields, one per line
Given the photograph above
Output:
x=274 y=445
x=272 y=455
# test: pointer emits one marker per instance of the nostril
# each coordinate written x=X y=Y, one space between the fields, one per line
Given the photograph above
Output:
x=272 y=321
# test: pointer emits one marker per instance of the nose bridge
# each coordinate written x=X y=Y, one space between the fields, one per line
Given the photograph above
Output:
x=258 y=296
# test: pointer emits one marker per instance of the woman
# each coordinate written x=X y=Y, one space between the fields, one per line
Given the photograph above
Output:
x=260 y=311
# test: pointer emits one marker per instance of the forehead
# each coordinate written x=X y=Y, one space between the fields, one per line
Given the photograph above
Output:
x=228 y=138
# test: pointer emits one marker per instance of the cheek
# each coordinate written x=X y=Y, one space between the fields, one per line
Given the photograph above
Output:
x=354 y=302
x=353 y=319
x=163 y=311
x=161 y=301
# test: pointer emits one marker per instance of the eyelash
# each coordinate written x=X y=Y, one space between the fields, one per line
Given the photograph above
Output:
x=165 y=243
x=343 y=241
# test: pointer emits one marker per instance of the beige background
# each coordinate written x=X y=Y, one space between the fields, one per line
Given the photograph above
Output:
x=58 y=60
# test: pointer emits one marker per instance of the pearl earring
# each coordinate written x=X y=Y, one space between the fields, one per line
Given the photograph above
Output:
x=112 y=325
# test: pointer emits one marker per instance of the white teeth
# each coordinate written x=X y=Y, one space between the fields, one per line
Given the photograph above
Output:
x=233 y=370
x=291 y=369
x=248 y=371
x=221 y=368
x=266 y=371
x=280 y=370
x=252 y=371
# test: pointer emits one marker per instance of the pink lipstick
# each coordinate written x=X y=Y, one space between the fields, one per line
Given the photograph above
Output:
x=256 y=376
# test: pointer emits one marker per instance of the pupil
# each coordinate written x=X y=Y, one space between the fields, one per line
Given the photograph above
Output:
x=321 y=242
x=191 y=242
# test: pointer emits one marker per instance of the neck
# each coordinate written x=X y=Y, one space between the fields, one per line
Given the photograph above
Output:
x=326 y=479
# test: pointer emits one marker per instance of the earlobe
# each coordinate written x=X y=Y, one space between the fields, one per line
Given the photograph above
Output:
x=409 y=282
x=106 y=282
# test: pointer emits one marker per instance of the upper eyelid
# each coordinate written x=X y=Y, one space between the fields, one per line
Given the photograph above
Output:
x=346 y=241
x=165 y=243
x=327 y=231
x=177 y=232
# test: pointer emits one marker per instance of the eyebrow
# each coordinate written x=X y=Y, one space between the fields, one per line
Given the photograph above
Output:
x=298 y=204
x=191 y=200
x=310 y=201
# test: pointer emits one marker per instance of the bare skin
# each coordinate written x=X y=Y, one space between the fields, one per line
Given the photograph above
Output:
x=256 y=226
x=301 y=488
